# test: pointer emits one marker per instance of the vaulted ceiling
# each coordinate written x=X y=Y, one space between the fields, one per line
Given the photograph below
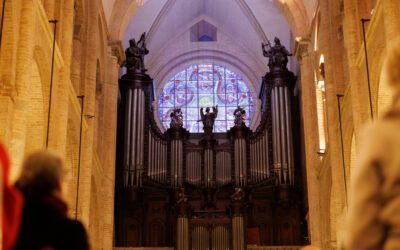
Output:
x=241 y=27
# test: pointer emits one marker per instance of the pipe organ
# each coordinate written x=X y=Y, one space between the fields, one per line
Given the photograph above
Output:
x=206 y=191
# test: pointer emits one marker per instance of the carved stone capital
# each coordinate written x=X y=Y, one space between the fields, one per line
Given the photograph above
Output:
x=117 y=50
x=301 y=46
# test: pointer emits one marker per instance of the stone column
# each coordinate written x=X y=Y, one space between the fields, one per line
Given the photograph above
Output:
x=359 y=88
x=311 y=143
x=359 y=93
x=111 y=99
x=391 y=10
x=89 y=90
x=25 y=47
x=59 y=109
x=50 y=7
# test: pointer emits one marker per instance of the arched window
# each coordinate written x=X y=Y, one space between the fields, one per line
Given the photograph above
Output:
x=205 y=85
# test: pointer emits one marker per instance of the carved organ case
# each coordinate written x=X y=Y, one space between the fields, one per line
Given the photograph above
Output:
x=208 y=191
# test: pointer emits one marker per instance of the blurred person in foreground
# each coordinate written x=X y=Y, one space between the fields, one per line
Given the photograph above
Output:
x=45 y=224
x=374 y=211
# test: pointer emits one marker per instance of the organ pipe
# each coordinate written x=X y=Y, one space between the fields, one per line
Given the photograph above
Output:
x=281 y=83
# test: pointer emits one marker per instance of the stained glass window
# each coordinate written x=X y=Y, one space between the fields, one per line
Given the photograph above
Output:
x=205 y=85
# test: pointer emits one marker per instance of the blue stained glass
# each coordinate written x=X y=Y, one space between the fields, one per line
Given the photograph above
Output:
x=219 y=73
x=192 y=100
x=219 y=126
x=231 y=98
x=192 y=114
x=205 y=73
x=244 y=99
x=206 y=101
x=166 y=114
x=230 y=85
x=229 y=113
x=230 y=75
x=205 y=85
x=219 y=101
x=166 y=124
x=181 y=76
x=192 y=73
x=192 y=126
x=180 y=95
x=230 y=124
x=242 y=88
x=221 y=113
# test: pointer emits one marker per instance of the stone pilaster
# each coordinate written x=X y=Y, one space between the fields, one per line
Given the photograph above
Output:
x=89 y=81
x=332 y=84
x=109 y=141
x=309 y=120
x=391 y=10
x=25 y=47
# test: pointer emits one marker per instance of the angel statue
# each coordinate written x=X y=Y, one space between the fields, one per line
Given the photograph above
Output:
x=277 y=55
x=239 y=114
x=176 y=118
x=135 y=54
x=208 y=118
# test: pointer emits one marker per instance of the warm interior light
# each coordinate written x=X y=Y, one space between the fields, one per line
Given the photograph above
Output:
x=321 y=105
x=322 y=59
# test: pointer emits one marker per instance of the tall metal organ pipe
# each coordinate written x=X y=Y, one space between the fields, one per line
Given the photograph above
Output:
x=134 y=131
x=281 y=83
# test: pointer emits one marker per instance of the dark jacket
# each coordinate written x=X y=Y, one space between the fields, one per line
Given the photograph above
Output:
x=45 y=226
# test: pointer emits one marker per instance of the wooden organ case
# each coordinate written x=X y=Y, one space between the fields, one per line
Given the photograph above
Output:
x=208 y=191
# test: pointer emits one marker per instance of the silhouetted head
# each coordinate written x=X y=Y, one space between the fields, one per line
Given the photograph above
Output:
x=277 y=41
x=42 y=173
x=208 y=109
